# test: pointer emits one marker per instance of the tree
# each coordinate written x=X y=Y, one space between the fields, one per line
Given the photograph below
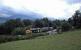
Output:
x=10 y=25
x=3 y=29
x=38 y=23
x=27 y=22
x=45 y=22
x=65 y=26
x=56 y=23
x=19 y=31
x=75 y=20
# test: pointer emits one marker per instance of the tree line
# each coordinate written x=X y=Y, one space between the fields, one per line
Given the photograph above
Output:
x=72 y=23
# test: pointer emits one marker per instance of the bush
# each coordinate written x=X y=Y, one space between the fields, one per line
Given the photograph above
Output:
x=39 y=34
x=18 y=31
x=8 y=38
x=66 y=26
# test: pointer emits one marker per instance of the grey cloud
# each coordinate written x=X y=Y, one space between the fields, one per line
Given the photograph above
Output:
x=73 y=1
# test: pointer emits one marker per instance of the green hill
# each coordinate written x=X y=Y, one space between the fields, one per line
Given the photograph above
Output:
x=67 y=41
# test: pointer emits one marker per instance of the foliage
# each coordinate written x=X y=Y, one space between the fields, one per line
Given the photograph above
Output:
x=45 y=22
x=66 y=26
x=27 y=22
x=39 y=34
x=19 y=31
x=38 y=23
x=10 y=25
x=8 y=38
x=75 y=20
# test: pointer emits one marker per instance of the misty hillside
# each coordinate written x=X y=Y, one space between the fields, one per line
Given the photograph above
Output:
x=7 y=13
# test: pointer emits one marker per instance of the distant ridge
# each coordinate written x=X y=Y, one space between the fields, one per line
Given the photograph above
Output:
x=7 y=13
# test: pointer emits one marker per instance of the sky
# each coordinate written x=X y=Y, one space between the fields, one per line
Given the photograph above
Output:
x=59 y=9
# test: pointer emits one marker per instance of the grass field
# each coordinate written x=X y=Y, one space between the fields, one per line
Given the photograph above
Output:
x=67 y=41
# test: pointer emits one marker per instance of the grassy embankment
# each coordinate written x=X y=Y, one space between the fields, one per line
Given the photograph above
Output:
x=66 y=41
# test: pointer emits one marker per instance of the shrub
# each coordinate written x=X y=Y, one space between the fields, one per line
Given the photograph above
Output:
x=66 y=26
x=8 y=38
x=39 y=34
x=18 y=31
